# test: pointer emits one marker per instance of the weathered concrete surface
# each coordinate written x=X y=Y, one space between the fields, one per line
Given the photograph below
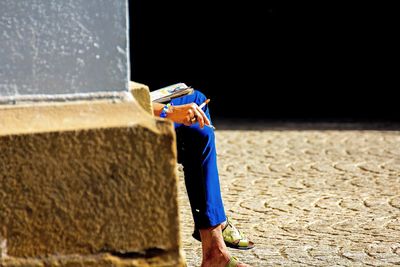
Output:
x=104 y=259
x=141 y=93
x=63 y=47
x=309 y=198
x=81 y=181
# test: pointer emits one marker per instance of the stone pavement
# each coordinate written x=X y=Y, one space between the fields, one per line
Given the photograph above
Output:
x=308 y=197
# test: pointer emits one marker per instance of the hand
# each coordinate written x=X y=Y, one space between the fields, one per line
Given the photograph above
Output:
x=188 y=114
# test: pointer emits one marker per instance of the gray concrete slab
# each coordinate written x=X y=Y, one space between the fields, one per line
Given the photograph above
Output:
x=63 y=47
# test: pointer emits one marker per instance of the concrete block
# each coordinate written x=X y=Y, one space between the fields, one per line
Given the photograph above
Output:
x=63 y=47
x=87 y=184
x=142 y=94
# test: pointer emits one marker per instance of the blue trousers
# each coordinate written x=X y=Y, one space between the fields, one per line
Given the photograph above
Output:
x=197 y=154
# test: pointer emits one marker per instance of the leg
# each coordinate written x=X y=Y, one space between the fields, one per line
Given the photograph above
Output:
x=197 y=153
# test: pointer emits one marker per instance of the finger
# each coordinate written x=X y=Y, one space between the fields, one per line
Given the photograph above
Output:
x=204 y=116
x=187 y=121
x=191 y=112
x=199 y=118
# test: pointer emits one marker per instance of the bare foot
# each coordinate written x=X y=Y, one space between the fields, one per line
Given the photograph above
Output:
x=215 y=253
x=220 y=262
x=216 y=260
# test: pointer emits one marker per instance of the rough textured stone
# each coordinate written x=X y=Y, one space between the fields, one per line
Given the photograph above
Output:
x=104 y=259
x=141 y=93
x=87 y=178
x=308 y=197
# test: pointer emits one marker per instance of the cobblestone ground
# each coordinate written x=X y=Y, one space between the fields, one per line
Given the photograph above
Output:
x=309 y=198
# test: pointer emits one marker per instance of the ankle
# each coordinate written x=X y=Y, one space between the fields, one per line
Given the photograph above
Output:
x=223 y=224
x=216 y=257
x=215 y=251
x=213 y=244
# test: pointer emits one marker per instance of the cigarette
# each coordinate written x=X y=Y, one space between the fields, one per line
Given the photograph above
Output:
x=212 y=127
x=204 y=103
x=202 y=106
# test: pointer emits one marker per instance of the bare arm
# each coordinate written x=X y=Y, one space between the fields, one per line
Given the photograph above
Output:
x=187 y=114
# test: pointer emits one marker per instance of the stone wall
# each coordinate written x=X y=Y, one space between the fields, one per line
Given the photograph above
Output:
x=87 y=182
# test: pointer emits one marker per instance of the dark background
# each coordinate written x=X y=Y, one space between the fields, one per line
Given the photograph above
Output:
x=266 y=61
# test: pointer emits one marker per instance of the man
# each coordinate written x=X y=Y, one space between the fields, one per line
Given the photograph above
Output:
x=197 y=153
